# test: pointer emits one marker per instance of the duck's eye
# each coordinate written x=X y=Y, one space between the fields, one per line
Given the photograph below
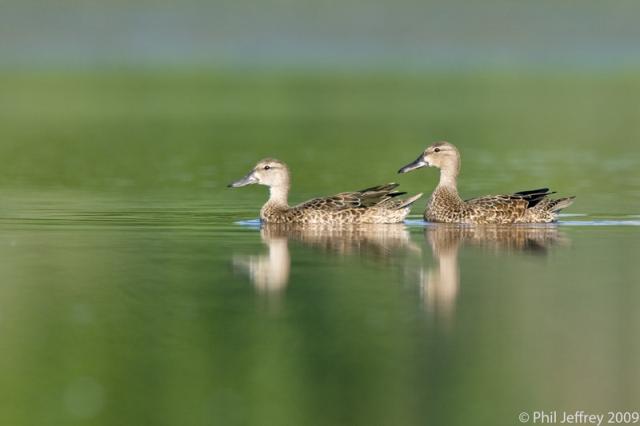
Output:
x=267 y=167
x=436 y=150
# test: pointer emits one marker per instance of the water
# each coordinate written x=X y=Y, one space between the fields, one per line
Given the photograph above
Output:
x=135 y=288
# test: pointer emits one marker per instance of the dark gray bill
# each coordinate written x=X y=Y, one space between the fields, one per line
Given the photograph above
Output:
x=247 y=180
x=415 y=165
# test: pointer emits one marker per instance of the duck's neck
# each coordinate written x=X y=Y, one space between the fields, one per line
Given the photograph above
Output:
x=278 y=197
x=276 y=207
x=448 y=179
x=446 y=193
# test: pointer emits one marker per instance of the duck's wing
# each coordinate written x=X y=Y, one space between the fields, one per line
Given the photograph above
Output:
x=536 y=204
x=497 y=202
x=496 y=208
x=376 y=196
x=533 y=196
x=491 y=207
x=527 y=199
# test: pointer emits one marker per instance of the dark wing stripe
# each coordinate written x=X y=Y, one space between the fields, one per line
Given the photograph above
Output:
x=383 y=196
x=395 y=194
x=534 y=196
x=532 y=191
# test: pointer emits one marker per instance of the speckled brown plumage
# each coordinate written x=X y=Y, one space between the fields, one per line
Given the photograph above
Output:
x=378 y=204
x=445 y=205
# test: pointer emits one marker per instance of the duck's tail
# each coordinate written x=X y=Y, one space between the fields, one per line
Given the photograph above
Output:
x=560 y=203
x=384 y=196
x=407 y=202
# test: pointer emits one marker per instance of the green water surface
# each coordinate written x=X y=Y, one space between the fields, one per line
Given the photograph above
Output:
x=135 y=288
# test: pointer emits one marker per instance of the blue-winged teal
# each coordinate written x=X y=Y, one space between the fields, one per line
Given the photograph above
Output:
x=379 y=204
x=445 y=205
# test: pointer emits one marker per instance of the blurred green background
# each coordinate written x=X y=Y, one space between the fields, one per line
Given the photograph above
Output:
x=129 y=294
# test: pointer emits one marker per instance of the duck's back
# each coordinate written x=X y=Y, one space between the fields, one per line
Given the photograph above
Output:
x=496 y=209
x=379 y=204
x=532 y=206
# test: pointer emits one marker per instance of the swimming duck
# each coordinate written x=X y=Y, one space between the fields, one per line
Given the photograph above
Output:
x=445 y=205
x=379 y=204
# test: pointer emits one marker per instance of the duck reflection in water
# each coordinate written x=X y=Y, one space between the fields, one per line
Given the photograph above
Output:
x=441 y=284
x=270 y=272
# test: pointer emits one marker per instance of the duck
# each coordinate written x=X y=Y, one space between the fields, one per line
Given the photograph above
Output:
x=446 y=205
x=378 y=204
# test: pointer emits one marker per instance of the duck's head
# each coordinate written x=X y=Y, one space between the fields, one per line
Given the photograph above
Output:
x=269 y=172
x=442 y=155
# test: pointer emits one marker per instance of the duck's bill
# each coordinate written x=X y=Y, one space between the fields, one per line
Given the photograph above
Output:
x=247 y=180
x=415 y=165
